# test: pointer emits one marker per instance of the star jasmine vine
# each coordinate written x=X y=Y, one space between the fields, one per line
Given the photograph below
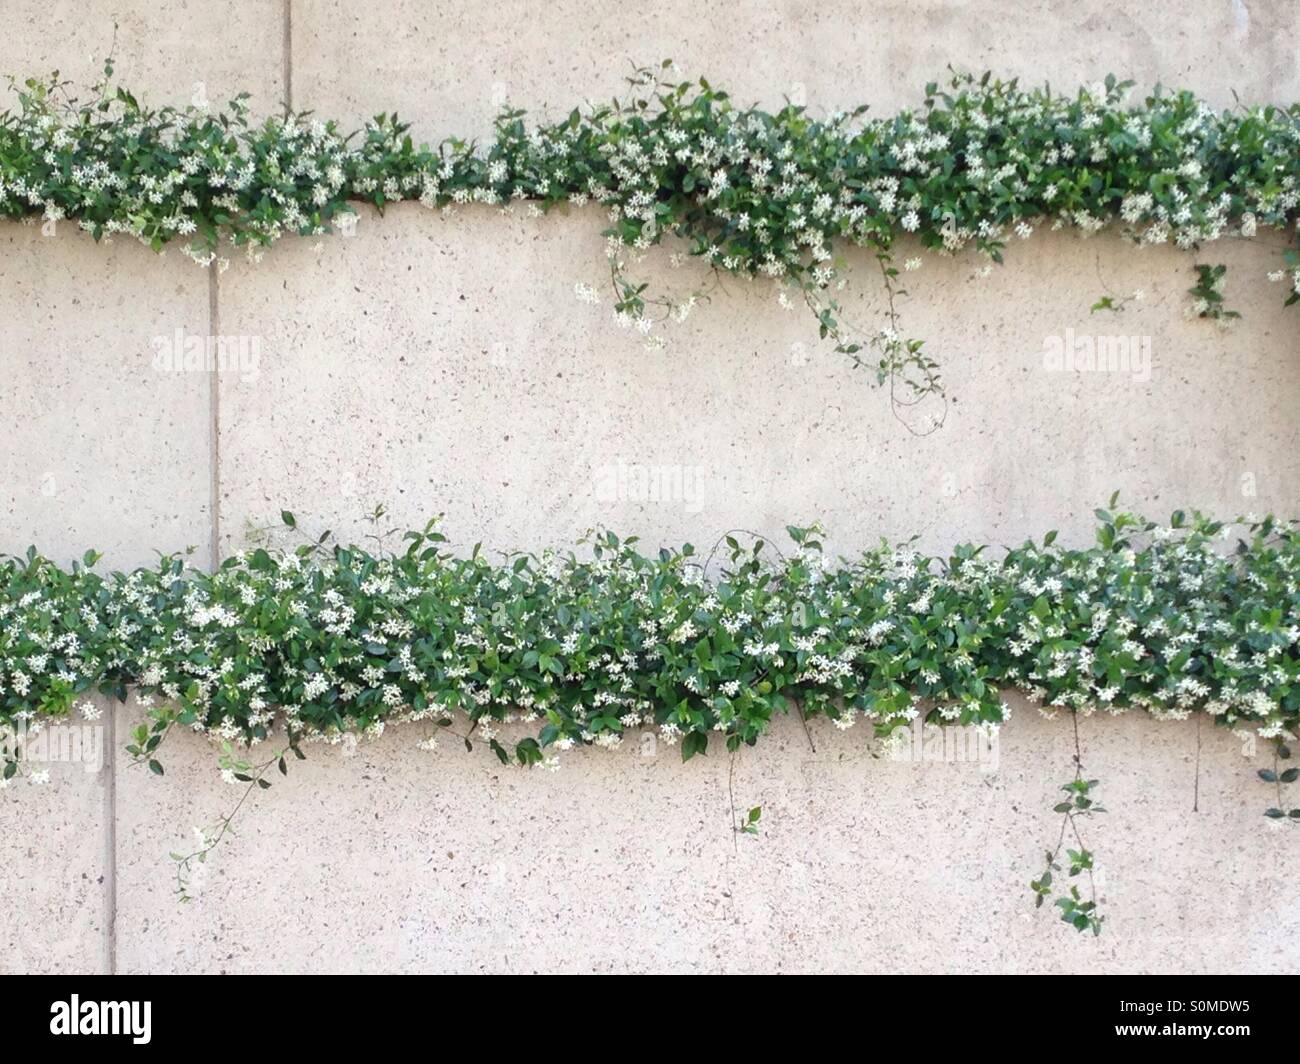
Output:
x=326 y=643
x=773 y=194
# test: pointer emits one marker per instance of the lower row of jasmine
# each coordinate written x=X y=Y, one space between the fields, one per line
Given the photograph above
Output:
x=333 y=643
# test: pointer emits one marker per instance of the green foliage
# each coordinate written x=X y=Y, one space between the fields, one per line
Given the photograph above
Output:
x=1080 y=913
x=331 y=643
x=340 y=640
x=751 y=192
x=1207 y=295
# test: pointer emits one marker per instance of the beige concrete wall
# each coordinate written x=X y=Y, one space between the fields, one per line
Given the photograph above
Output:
x=442 y=364
x=627 y=860
x=57 y=860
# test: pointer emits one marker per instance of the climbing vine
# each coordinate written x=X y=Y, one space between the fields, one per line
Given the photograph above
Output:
x=776 y=194
x=326 y=643
x=282 y=647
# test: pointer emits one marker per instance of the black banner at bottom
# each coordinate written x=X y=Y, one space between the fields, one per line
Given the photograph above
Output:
x=337 y=1013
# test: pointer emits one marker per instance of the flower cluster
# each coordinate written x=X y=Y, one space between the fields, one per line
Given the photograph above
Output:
x=334 y=643
x=751 y=192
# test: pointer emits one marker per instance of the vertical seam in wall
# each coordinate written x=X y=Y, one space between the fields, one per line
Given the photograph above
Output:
x=214 y=418
x=110 y=840
x=287 y=51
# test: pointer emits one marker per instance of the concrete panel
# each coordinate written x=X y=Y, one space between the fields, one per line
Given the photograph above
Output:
x=442 y=364
x=622 y=861
x=168 y=51
x=448 y=65
x=101 y=448
x=55 y=868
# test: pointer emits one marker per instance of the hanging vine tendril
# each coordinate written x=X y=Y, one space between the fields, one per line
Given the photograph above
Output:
x=753 y=193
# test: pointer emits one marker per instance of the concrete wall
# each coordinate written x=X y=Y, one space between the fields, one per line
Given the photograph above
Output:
x=440 y=364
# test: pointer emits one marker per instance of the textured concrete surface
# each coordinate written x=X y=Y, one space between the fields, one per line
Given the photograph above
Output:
x=621 y=861
x=56 y=858
x=443 y=364
x=166 y=51
x=439 y=364
x=447 y=66
x=101 y=449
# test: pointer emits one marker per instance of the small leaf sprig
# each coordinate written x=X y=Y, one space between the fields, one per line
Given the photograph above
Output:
x=1079 y=911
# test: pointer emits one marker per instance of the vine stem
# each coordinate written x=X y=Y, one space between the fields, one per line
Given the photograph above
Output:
x=889 y=345
x=184 y=864
x=1074 y=826
x=731 y=799
x=1070 y=825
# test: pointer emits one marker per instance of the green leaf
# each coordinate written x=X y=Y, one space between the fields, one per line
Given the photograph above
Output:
x=694 y=742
